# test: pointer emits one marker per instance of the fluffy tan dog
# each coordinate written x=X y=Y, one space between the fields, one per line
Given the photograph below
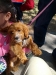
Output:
x=20 y=38
x=17 y=31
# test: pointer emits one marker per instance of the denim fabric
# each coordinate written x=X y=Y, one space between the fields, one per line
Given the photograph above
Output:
x=41 y=24
x=54 y=54
x=19 y=12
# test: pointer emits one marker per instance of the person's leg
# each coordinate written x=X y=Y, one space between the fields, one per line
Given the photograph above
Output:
x=19 y=12
x=36 y=66
x=54 y=54
x=40 y=27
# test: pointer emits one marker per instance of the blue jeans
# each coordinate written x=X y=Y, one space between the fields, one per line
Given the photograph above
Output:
x=54 y=54
x=19 y=12
x=41 y=24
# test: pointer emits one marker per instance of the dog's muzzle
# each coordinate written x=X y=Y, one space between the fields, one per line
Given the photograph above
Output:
x=17 y=39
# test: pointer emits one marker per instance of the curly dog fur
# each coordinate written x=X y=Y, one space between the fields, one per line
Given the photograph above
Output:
x=19 y=33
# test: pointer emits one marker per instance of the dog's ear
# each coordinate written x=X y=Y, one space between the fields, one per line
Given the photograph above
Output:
x=26 y=30
x=11 y=27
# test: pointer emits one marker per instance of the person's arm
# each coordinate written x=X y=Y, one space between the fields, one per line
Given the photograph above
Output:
x=28 y=5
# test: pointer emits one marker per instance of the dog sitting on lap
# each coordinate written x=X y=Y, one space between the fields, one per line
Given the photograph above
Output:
x=19 y=33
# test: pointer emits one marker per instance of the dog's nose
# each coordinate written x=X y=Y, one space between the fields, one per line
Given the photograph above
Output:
x=16 y=38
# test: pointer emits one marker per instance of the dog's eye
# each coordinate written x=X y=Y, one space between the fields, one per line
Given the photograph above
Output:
x=11 y=32
x=18 y=30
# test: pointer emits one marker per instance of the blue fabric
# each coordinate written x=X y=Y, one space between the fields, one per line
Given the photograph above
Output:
x=41 y=24
x=54 y=53
x=19 y=12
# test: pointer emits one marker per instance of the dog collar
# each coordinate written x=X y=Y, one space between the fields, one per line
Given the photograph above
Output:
x=26 y=38
x=24 y=42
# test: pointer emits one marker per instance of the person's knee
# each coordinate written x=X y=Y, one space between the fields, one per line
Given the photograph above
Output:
x=38 y=66
x=36 y=59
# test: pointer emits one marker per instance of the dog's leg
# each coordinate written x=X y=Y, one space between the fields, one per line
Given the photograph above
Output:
x=22 y=57
x=20 y=53
x=33 y=47
x=15 y=66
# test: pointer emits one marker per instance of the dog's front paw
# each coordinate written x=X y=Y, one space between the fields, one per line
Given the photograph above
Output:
x=37 y=52
x=24 y=61
x=14 y=68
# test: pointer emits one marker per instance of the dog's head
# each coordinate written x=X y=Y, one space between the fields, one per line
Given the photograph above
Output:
x=18 y=31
